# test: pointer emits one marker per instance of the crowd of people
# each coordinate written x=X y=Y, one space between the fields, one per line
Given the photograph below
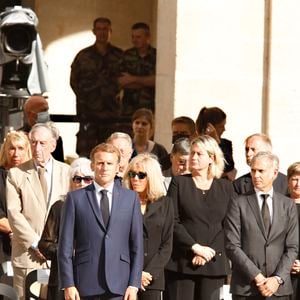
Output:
x=127 y=220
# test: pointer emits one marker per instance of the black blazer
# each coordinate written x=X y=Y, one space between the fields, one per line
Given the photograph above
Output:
x=48 y=246
x=158 y=222
x=49 y=239
x=199 y=219
x=244 y=185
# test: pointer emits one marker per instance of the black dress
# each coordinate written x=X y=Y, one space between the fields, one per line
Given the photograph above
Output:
x=226 y=147
x=158 y=222
x=199 y=217
x=48 y=247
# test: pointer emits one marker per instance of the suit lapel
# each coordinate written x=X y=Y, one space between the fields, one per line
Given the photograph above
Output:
x=252 y=200
x=277 y=216
x=151 y=209
x=248 y=186
x=90 y=191
x=115 y=207
x=34 y=181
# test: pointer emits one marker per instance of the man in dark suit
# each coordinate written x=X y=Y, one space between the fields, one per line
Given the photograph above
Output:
x=100 y=250
x=261 y=236
x=253 y=144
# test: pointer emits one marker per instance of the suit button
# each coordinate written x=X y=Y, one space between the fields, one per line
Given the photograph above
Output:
x=107 y=236
x=264 y=264
x=145 y=254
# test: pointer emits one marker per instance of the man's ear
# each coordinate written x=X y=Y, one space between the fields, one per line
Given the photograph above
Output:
x=92 y=167
x=53 y=145
x=275 y=173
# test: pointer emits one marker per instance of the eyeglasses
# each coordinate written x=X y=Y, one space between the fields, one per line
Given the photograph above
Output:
x=140 y=175
x=86 y=179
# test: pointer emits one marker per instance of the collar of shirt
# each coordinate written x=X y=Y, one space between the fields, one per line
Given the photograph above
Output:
x=48 y=174
x=48 y=166
x=258 y=192
x=99 y=188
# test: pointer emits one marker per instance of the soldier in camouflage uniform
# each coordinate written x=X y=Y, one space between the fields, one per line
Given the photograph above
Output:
x=94 y=74
x=138 y=72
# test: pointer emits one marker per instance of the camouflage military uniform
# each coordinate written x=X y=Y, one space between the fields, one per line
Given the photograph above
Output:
x=134 y=64
x=94 y=81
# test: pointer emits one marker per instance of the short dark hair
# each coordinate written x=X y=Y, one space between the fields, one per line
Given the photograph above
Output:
x=187 y=121
x=141 y=25
x=102 y=20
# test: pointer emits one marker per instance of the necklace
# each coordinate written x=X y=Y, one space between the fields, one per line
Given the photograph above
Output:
x=203 y=191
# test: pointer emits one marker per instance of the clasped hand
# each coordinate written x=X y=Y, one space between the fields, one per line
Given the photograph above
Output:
x=296 y=267
x=203 y=254
x=267 y=286
x=146 y=279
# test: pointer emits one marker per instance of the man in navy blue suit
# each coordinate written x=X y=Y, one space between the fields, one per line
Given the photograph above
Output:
x=100 y=251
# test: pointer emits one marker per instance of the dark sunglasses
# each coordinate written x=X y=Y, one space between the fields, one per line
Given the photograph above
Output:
x=140 y=175
x=86 y=179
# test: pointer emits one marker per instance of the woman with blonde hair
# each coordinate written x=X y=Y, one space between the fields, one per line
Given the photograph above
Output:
x=14 y=151
x=198 y=266
x=293 y=176
x=144 y=176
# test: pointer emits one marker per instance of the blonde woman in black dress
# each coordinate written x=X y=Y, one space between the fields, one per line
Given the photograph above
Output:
x=198 y=266
x=144 y=176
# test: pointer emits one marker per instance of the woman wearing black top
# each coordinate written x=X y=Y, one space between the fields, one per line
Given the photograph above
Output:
x=198 y=266
x=293 y=175
x=144 y=176
x=212 y=121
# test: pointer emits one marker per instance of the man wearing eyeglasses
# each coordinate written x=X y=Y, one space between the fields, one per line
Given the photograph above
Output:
x=102 y=225
x=32 y=188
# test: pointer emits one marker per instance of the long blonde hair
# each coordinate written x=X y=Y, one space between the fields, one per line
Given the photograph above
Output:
x=11 y=138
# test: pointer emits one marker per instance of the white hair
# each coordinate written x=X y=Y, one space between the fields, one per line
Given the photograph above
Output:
x=82 y=165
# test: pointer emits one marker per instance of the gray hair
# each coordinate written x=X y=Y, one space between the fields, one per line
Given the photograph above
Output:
x=50 y=126
x=81 y=165
x=263 y=137
x=120 y=135
x=269 y=157
x=181 y=146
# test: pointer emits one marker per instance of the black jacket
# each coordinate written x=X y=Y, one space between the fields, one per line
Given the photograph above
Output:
x=244 y=185
x=199 y=219
x=48 y=247
x=158 y=223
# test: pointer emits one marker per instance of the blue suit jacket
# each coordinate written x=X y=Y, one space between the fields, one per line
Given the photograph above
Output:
x=96 y=259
